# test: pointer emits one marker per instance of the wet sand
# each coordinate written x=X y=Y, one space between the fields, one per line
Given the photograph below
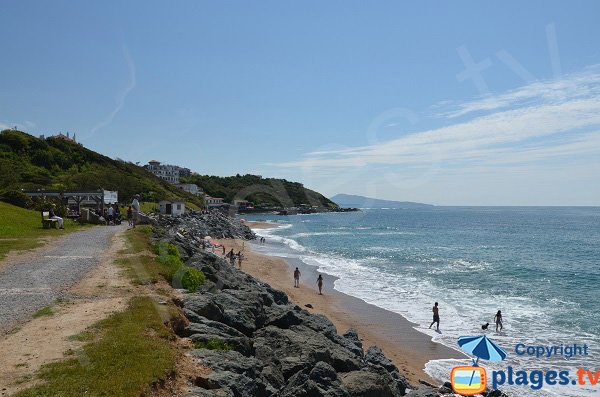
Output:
x=408 y=348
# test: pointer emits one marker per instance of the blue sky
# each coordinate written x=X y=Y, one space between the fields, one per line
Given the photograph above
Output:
x=457 y=103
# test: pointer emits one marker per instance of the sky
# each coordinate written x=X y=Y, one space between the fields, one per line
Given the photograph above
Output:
x=448 y=103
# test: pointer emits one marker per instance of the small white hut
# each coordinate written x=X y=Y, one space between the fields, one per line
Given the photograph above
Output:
x=173 y=208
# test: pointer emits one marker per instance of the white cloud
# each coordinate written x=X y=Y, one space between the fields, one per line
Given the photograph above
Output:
x=537 y=122
x=577 y=85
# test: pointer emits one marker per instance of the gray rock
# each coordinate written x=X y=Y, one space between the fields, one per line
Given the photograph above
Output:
x=370 y=384
x=318 y=381
x=423 y=392
x=200 y=392
x=241 y=310
x=298 y=348
x=231 y=370
x=375 y=356
x=494 y=393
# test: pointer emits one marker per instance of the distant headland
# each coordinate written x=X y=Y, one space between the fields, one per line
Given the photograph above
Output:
x=350 y=200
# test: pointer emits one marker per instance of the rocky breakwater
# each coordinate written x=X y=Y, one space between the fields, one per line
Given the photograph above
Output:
x=258 y=343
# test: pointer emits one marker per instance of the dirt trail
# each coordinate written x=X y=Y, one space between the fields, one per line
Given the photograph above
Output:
x=102 y=291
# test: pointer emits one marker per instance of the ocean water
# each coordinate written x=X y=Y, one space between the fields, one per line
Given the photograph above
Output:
x=540 y=266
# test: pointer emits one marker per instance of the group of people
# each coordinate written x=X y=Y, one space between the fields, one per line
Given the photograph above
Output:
x=232 y=256
x=436 y=319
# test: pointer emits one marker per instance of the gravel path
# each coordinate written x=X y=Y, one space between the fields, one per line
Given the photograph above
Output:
x=30 y=284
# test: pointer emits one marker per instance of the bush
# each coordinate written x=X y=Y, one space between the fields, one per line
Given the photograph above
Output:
x=15 y=197
x=192 y=278
x=173 y=269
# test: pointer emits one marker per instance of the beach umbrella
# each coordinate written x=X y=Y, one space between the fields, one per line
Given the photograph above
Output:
x=481 y=347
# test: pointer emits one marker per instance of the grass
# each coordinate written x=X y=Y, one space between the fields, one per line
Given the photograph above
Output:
x=144 y=269
x=21 y=229
x=138 y=239
x=84 y=336
x=213 y=344
x=130 y=352
x=45 y=311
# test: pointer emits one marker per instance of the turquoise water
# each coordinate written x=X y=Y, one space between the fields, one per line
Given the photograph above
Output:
x=540 y=266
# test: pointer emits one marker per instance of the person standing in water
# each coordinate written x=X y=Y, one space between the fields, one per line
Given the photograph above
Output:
x=436 y=316
x=297 y=278
x=320 y=284
x=498 y=320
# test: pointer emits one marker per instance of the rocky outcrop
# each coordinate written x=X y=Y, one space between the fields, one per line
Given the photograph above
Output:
x=268 y=346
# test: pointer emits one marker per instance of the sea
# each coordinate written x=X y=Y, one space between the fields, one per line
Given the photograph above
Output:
x=539 y=265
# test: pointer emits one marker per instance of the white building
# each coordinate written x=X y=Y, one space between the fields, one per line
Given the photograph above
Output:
x=212 y=202
x=190 y=188
x=173 y=208
x=169 y=173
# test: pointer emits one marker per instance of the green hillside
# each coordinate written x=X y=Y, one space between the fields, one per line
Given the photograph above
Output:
x=265 y=192
x=31 y=163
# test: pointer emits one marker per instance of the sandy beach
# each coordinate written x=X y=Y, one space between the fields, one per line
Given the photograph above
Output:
x=409 y=349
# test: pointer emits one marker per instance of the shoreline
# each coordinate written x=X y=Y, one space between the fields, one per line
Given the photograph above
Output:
x=408 y=348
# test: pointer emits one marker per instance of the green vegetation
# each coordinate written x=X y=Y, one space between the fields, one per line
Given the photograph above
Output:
x=130 y=352
x=84 y=336
x=213 y=344
x=174 y=270
x=31 y=163
x=266 y=192
x=144 y=269
x=21 y=229
x=44 y=311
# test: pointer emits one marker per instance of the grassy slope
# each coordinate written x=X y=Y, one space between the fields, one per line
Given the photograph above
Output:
x=21 y=229
x=260 y=191
x=31 y=163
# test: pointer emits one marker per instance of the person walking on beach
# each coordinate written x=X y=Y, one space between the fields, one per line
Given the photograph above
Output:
x=297 y=278
x=498 y=320
x=223 y=250
x=436 y=316
x=240 y=256
x=320 y=284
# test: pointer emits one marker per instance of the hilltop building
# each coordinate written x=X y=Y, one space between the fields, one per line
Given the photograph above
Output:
x=169 y=173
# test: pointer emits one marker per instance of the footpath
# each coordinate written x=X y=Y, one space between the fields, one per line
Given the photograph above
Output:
x=50 y=294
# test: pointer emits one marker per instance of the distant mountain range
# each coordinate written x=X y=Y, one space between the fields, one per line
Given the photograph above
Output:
x=350 y=200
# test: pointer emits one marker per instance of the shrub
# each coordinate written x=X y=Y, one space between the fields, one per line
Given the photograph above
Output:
x=192 y=278
x=15 y=197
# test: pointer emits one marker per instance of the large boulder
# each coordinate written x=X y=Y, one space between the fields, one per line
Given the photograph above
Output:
x=318 y=381
x=299 y=347
x=374 y=358
x=239 y=309
x=232 y=371
x=372 y=382
x=204 y=330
